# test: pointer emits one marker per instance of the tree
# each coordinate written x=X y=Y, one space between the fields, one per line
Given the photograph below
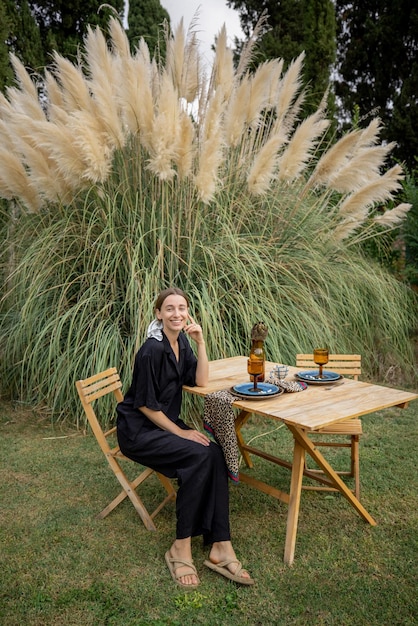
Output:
x=6 y=74
x=20 y=35
x=63 y=23
x=295 y=26
x=32 y=29
x=145 y=20
x=377 y=67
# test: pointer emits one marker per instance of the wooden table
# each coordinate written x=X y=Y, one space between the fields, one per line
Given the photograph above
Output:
x=302 y=412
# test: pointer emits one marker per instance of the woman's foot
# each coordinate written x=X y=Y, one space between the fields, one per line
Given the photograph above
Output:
x=180 y=563
x=223 y=560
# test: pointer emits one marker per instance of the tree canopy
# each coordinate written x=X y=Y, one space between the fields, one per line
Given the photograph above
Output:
x=63 y=23
x=293 y=27
x=19 y=33
x=145 y=20
x=376 y=47
x=33 y=29
x=6 y=74
x=377 y=67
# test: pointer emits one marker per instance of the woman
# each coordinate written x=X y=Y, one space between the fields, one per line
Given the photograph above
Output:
x=151 y=433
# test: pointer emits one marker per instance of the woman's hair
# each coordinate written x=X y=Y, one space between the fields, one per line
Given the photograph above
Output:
x=171 y=291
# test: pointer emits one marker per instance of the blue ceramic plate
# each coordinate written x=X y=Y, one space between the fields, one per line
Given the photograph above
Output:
x=312 y=377
x=264 y=390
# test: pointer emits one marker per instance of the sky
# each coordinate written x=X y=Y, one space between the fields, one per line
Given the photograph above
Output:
x=212 y=14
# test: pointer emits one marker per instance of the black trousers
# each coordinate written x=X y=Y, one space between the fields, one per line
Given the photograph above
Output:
x=202 y=504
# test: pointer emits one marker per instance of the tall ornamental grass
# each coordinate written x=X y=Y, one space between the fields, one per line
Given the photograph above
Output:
x=124 y=175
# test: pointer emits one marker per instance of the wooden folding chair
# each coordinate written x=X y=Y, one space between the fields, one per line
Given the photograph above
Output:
x=346 y=365
x=90 y=390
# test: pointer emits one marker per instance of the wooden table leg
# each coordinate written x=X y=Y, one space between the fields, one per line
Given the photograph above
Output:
x=294 y=502
x=301 y=437
x=240 y=420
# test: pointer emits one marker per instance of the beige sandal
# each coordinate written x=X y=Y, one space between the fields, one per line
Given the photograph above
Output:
x=181 y=563
x=222 y=569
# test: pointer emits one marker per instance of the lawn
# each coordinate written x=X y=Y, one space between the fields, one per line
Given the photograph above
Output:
x=60 y=565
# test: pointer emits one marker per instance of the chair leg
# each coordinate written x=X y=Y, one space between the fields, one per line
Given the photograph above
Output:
x=355 y=464
x=129 y=491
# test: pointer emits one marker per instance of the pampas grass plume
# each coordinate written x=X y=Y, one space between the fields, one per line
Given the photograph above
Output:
x=135 y=98
x=223 y=74
x=350 y=224
x=91 y=144
x=58 y=141
x=379 y=190
x=289 y=87
x=211 y=156
x=393 y=217
x=352 y=160
x=264 y=167
x=298 y=151
x=175 y=55
x=211 y=148
x=236 y=113
x=259 y=92
x=74 y=89
x=119 y=39
x=363 y=167
x=185 y=148
x=183 y=62
x=102 y=84
x=36 y=160
x=14 y=181
x=164 y=136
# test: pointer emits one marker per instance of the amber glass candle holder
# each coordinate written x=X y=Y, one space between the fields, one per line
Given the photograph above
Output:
x=255 y=368
x=320 y=357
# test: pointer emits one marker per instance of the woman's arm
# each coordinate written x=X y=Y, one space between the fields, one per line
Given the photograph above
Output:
x=202 y=371
x=162 y=421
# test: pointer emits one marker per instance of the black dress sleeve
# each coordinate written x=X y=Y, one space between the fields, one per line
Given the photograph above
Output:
x=146 y=380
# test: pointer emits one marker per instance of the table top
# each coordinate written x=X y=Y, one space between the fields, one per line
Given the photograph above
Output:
x=316 y=407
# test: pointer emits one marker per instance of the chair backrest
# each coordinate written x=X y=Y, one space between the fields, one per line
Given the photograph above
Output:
x=97 y=386
x=344 y=364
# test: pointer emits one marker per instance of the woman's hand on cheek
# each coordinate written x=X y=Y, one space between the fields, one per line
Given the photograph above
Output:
x=194 y=330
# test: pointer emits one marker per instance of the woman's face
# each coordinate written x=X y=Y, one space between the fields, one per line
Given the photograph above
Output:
x=173 y=313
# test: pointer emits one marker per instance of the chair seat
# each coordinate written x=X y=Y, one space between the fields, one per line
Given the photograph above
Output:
x=348 y=427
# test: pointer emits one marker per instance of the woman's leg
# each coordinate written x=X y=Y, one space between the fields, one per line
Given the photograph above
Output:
x=203 y=498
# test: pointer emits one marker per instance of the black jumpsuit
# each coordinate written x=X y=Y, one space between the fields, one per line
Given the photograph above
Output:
x=202 y=504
